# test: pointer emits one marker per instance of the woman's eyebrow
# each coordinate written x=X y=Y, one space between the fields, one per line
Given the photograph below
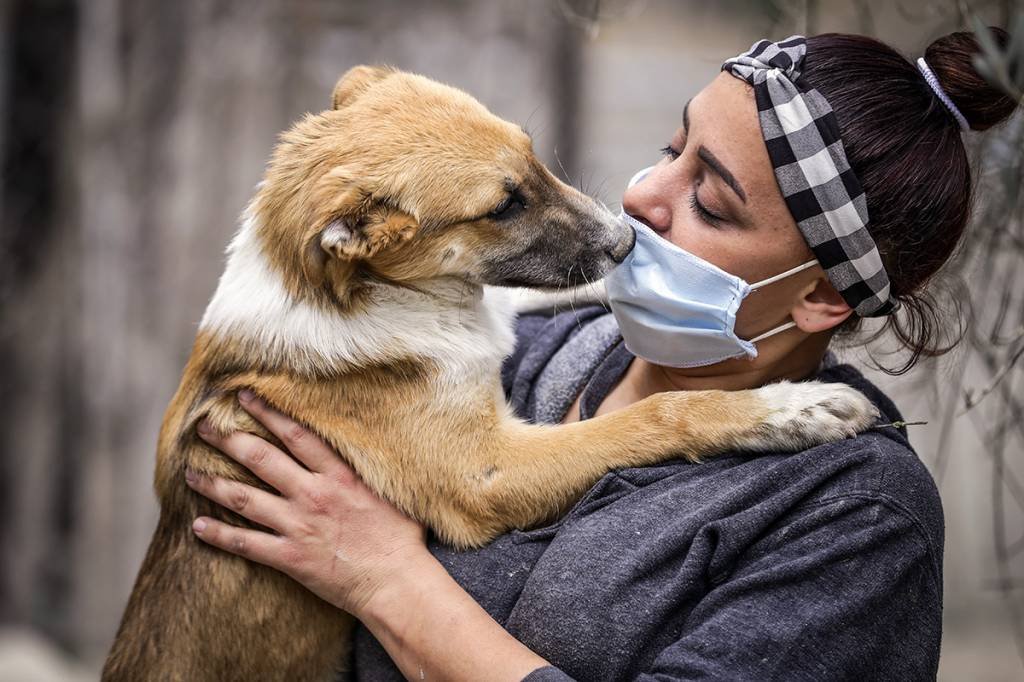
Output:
x=712 y=161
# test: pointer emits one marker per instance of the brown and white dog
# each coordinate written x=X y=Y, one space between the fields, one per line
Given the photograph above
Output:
x=355 y=300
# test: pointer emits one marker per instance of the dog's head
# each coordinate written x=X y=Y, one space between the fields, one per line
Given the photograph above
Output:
x=407 y=180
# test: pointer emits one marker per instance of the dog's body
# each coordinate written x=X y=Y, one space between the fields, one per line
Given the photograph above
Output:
x=354 y=300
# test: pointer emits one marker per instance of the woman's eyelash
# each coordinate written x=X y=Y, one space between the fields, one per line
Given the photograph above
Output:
x=703 y=213
x=698 y=208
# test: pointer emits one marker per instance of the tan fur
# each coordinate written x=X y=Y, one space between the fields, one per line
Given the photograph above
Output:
x=389 y=191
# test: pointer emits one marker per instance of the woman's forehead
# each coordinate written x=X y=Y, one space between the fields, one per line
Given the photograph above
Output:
x=723 y=116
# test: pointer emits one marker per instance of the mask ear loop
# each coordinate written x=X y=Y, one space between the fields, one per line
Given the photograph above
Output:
x=772 y=332
x=782 y=275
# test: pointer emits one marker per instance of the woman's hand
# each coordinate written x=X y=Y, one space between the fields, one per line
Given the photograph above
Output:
x=354 y=550
x=334 y=535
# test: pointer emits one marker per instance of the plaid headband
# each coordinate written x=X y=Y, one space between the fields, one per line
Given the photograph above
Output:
x=820 y=188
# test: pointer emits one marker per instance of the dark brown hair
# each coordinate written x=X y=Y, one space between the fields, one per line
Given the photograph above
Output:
x=906 y=149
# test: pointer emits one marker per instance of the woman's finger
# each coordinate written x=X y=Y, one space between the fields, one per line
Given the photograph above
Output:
x=304 y=445
x=264 y=460
x=257 y=505
x=245 y=542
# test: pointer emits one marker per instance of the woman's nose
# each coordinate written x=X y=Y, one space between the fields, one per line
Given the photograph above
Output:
x=646 y=202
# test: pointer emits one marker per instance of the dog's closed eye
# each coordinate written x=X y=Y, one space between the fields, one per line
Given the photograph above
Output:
x=509 y=207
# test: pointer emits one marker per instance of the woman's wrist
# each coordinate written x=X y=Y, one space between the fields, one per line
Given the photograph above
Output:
x=388 y=605
x=424 y=619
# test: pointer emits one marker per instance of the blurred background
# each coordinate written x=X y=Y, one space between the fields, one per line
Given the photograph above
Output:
x=132 y=133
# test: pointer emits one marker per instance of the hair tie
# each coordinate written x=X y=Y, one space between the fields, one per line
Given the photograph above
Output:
x=933 y=83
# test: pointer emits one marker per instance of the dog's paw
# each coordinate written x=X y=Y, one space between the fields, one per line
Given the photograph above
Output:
x=803 y=415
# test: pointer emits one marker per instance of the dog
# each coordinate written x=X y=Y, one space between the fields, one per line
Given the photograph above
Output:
x=362 y=297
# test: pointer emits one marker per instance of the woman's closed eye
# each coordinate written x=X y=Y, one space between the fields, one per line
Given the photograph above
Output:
x=702 y=212
x=698 y=208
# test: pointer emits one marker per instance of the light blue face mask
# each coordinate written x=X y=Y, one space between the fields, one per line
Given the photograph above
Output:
x=676 y=309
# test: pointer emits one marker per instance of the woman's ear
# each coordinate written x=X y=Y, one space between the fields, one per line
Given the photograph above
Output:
x=820 y=308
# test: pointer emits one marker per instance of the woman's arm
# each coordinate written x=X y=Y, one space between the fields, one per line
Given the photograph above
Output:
x=355 y=551
x=433 y=629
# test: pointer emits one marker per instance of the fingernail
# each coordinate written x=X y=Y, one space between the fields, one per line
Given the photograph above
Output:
x=199 y=525
x=246 y=396
x=190 y=476
x=203 y=427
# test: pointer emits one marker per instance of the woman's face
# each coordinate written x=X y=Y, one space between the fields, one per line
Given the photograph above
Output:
x=714 y=194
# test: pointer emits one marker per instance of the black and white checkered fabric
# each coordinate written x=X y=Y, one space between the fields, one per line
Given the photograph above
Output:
x=820 y=189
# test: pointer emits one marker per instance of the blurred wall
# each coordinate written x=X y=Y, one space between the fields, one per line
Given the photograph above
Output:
x=154 y=120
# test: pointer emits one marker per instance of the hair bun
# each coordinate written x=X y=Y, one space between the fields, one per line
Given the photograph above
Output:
x=951 y=59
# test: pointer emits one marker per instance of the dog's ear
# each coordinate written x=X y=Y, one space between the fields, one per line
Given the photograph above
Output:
x=356 y=81
x=380 y=229
x=349 y=227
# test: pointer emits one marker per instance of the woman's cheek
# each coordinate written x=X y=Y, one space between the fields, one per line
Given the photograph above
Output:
x=689 y=233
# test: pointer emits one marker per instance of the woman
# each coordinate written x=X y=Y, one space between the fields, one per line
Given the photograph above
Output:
x=812 y=565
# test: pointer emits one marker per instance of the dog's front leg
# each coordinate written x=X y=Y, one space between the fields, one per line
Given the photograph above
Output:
x=530 y=473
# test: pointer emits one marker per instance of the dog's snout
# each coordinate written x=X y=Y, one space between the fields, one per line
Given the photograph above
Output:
x=569 y=240
x=624 y=243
